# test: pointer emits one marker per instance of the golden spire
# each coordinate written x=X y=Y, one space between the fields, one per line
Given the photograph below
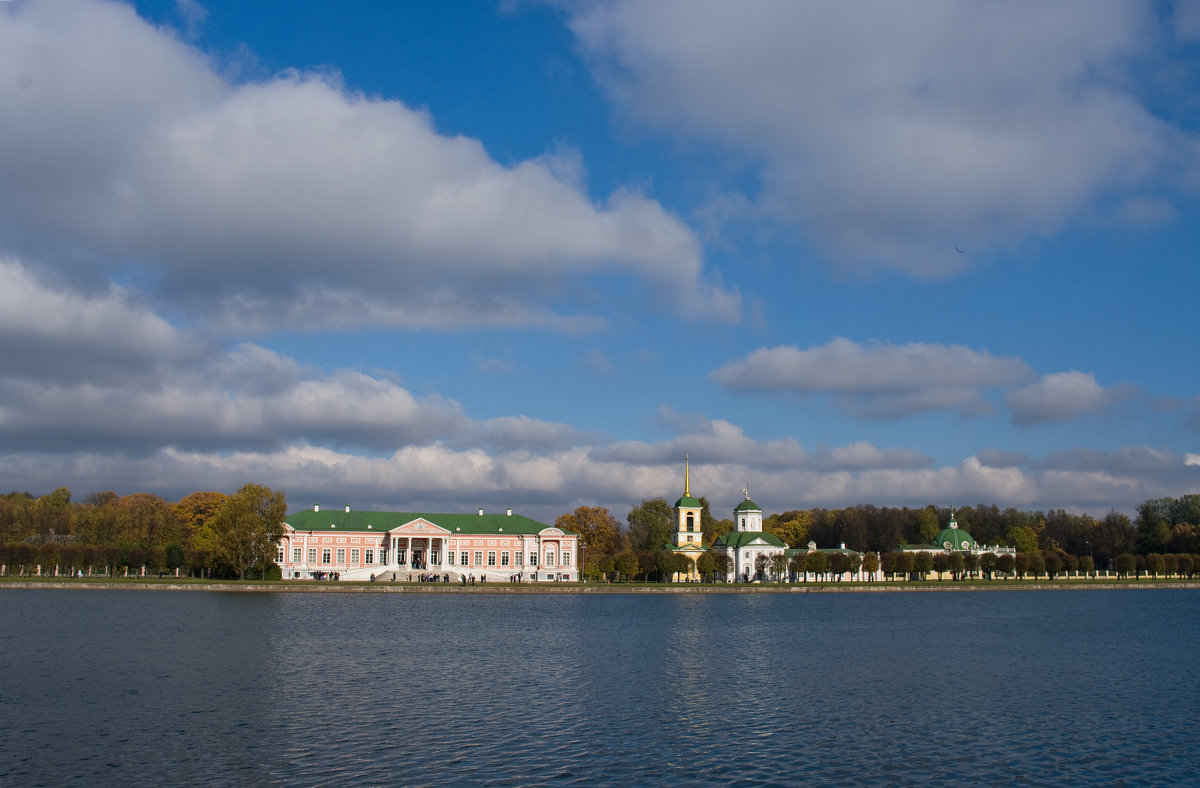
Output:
x=687 y=492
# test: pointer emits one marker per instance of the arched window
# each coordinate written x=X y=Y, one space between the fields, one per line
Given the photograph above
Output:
x=691 y=522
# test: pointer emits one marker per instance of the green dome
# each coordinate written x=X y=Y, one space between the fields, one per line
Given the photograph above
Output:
x=688 y=502
x=954 y=539
x=748 y=506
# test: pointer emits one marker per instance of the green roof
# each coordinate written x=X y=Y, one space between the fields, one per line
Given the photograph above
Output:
x=954 y=539
x=688 y=502
x=742 y=538
x=748 y=506
x=373 y=522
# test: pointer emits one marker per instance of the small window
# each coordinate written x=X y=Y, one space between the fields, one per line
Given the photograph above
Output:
x=491 y=557
x=279 y=556
x=341 y=555
x=504 y=558
x=519 y=556
x=463 y=558
x=566 y=558
x=450 y=555
x=312 y=555
x=326 y=555
x=296 y=555
x=478 y=558
x=370 y=556
x=354 y=556
x=533 y=559
x=691 y=521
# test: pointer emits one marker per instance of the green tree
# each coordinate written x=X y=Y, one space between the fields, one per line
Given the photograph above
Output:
x=1087 y=565
x=247 y=529
x=625 y=563
x=1037 y=564
x=1052 y=562
x=1155 y=564
x=817 y=563
x=706 y=564
x=651 y=524
x=956 y=564
x=1023 y=538
x=987 y=564
x=1006 y=563
x=723 y=565
x=927 y=525
x=1124 y=564
x=922 y=564
x=870 y=564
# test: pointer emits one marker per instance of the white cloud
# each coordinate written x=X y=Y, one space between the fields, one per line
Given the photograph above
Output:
x=220 y=192
x=876 y=379
x=892 y=131
x=1058 y=397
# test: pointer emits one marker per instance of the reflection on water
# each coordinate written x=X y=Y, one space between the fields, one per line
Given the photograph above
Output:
x=111 y=687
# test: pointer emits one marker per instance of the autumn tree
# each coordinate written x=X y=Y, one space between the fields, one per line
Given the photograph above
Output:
x=245 y=531
x=598 y=529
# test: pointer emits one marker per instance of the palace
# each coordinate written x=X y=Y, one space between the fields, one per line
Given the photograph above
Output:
x=357 y=545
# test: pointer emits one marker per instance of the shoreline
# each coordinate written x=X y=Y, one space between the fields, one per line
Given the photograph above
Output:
x=276 y=587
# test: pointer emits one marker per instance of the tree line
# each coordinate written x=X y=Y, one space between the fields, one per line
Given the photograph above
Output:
x=205 y=534
x=1163 y=538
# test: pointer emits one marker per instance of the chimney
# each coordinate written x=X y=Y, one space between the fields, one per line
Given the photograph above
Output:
x=316 y=507
x=347 y=508
x=509 y=511
x=481 y=511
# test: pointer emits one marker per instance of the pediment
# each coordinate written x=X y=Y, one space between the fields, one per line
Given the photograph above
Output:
x=420 y=526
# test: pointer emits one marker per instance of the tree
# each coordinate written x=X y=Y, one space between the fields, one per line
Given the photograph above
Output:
x=706 y=564
x=941 y=564
x=1087 y=565
x=1155 y=564
x=1006 y=563
x=723 y=563
x=987 y=564
x=779 y=564
x=793 y=532
x=194 y=510
x=870 y=564
x=650 y=525
x=247 y=529
x=1052 y=562
x=956 y=564
x=1124 y=564
x=1024 y=538
x=922 y=563
x=760 y=566
x=598 y=529
x=625 y=563
x=927 y=525
x=839 y=564
x=1037 y=564
x=817 y=563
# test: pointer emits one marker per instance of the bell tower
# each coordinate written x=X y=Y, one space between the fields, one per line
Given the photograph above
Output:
x=687 y=514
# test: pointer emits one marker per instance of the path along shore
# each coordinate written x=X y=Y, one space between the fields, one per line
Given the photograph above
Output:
x=303 y=587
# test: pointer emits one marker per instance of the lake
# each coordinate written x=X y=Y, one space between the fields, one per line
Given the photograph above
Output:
x=1095 y=687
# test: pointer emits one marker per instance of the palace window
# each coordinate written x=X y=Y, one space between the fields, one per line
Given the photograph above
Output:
x=370 y=555
x=297 y=555
x=341 y=555
x=549 y=558
x=312 y=555
x=478 y=558
x=450 y=555
x=326 y=555
x=519 y=557
x=434 y=557
x=279 y=556
x=491 y=557
x=399 y=555
x=354 y=555
x=691 y=521
x=566 y=558
x=463 y=557
x=504 y=558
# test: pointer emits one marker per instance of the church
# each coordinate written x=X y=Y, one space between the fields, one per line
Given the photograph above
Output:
x=747 y=542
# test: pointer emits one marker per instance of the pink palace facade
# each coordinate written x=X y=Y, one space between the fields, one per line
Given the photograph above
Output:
x=394 y=545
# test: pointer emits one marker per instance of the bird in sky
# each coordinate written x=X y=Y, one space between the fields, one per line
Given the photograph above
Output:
x=960 y=251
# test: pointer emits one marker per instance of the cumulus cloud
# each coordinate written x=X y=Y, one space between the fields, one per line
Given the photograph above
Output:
x=875 y=379
x=1058 y=397
x=891 y=132
x=279 y=194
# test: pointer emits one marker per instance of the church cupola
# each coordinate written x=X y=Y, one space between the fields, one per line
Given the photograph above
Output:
x=747 y=515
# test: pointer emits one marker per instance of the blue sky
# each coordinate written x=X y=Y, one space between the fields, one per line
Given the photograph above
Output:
x=438 y=256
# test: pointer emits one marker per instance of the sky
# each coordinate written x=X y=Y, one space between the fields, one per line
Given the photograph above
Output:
x=439 y=256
